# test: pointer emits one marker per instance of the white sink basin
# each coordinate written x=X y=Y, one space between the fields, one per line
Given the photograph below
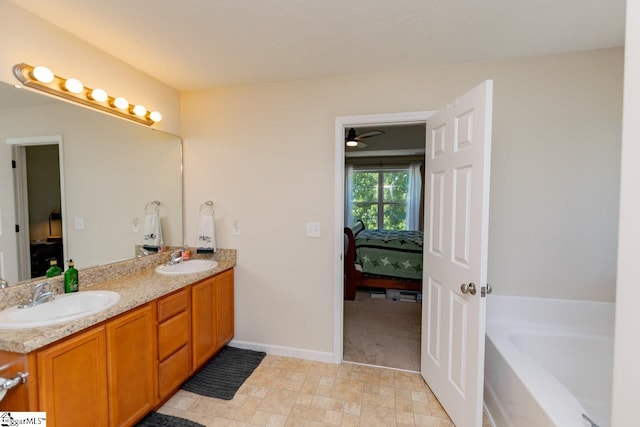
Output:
x=187 y=267
x=63 y=308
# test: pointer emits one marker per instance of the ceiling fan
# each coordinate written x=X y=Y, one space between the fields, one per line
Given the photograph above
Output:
x=354 y=140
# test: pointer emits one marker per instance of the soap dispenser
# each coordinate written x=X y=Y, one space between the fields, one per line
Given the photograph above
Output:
x=71 y=278
x=53 y=270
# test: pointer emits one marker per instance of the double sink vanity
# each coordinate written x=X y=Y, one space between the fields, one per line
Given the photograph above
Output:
x=120 y=347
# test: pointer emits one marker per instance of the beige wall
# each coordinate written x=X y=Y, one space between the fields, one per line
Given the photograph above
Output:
x=265 y=155
x=626 y=376
x=111 y=169
x=27 y=38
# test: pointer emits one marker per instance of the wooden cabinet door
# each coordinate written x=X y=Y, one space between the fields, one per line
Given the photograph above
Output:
x=224 y=308
x=212 y=311
x=24 y=397
x=131 y=350
x=203 y=321
x=72 y=378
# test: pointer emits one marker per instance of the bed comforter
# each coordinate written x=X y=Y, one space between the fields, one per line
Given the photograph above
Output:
x=390 y=253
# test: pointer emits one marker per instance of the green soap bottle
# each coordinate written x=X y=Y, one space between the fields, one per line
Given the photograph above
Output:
x=53 y=270
x=71 y=279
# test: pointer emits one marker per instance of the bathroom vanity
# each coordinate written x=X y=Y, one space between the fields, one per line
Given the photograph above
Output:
x=112 y=368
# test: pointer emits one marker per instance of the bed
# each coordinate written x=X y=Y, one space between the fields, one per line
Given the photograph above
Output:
x=388 y=259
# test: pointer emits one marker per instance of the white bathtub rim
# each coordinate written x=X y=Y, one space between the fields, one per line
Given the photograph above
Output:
x=565 y=411
x=523 y=310
x=544 y=300
x=507 y=399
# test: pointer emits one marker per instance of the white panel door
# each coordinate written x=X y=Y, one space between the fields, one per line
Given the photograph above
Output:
x=458 y=158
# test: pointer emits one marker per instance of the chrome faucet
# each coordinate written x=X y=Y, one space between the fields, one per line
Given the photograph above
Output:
x=3 y=283
x=39 y=296
x=175 y=257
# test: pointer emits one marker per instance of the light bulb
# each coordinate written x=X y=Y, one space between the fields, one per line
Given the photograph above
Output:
x=98 y=95
x=139 y=110
x=42 y=74
x=121 y=103
x=73 y=85
x=155 y=116
x=352 y=143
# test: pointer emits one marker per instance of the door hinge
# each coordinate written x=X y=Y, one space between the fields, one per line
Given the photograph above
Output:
x=13 y=164
x=17 y=228
x=485 y=290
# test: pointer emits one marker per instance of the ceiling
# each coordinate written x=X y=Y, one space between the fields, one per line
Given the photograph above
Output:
x=199 y=44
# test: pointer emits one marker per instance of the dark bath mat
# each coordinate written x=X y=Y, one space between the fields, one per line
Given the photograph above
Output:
x=224 y=374
x=156 y=419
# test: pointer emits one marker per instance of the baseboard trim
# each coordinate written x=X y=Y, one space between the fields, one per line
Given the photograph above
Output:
x=277 y=350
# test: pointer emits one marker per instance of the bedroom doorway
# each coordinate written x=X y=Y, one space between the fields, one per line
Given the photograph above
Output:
x=379 y=326
x=39 y=204
x=456 y=223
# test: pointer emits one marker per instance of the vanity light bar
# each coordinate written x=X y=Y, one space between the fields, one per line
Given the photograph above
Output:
x=43 y=79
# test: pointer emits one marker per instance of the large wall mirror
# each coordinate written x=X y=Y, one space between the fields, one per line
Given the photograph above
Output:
x=83 y=186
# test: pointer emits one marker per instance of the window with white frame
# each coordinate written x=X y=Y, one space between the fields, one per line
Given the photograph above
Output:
x=383 y=197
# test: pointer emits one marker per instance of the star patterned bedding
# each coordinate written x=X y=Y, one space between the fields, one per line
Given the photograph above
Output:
x=391 y=253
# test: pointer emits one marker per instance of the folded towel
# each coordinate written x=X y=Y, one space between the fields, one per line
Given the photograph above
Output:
x=152 y=230
x=206 y=232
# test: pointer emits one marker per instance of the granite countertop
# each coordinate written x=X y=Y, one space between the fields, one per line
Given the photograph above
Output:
x=137 y=285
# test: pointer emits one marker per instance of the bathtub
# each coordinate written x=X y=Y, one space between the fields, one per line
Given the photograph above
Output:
x=548 y=361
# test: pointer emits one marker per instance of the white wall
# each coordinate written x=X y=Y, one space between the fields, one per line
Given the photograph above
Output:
x=626 y=376
x=27 y=38
x=265 y=155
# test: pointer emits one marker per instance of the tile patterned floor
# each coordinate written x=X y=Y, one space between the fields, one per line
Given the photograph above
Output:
x=292 y=392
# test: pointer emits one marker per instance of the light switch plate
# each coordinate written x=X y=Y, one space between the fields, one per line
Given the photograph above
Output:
x=313 y=229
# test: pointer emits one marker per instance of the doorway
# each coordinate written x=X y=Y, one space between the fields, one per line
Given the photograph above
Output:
x=384 y=167
x=342 y=124
x=458 y=138
x=39 y=204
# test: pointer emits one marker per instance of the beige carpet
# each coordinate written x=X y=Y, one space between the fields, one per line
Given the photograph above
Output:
x=382 y=332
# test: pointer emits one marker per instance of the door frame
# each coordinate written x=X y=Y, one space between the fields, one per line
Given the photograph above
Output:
x=21 y=200
x=342 y=122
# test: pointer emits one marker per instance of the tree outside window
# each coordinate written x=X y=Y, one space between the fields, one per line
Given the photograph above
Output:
x=380 y=198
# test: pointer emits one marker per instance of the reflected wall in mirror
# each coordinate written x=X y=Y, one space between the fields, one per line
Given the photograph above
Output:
x=110 y=168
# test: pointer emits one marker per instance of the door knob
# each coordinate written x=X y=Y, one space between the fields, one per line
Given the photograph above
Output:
x=468 y=289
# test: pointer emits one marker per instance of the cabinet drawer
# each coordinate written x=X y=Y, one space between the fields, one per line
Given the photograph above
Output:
x=173 y=334
x=173 y=304
x=173 y=371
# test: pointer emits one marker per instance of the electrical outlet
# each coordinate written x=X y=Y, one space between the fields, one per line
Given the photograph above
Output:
x=235 y=230
x=313 y=229
x=78 y=223
x=134 y=224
